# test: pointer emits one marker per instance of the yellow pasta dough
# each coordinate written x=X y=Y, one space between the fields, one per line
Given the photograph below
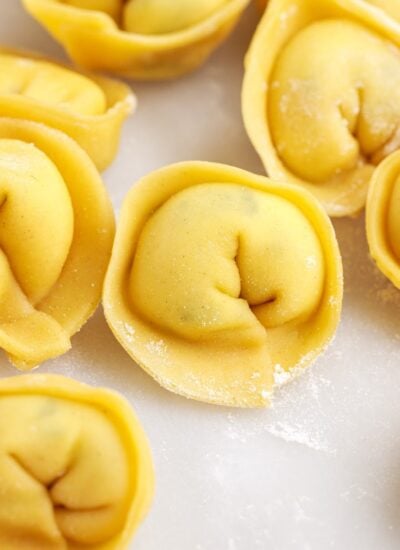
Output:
x=91 y=109
x=391 y=7
x=142 y=39
x=56 y=233
x=383 y=218
x=165 y=16
x=321 y=96
x=75 y=466
x=219 y=278
x=110 y=7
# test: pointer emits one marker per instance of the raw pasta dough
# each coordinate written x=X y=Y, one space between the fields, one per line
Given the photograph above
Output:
x=75 y=466
x=321 y=96
x=218 y=278
x=55 y=241
x=91 y=110
x=165 y=16
x=151 y=39
x=383 y=218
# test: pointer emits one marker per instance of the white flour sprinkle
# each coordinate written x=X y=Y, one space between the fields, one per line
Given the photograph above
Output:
x=281 y=376
x=333 y=301
x=292 y=434
x=311 y=262
x=265 y=394
x=129 y=331
x=157 y=347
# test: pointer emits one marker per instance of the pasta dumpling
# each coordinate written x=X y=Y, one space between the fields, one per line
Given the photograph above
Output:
x=141 y=39
x=383 y=218
x=55 y=241
x=75 y=466
x=218 y=278
x=91 y=110
x=321 y=96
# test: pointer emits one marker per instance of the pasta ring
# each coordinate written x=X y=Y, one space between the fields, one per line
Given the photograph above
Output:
x=382 y=218
x=154 y=49
x=57 y=229
x=90 y=109
x=321 y=96
x=75 y=466
x=219 y=278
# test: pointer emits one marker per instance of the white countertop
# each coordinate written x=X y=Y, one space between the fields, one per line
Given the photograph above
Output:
x=321 y=469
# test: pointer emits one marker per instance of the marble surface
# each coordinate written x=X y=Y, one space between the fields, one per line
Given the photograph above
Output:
x=319 y=470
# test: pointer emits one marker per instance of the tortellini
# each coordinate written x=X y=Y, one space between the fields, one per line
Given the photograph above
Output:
x=75 y=466
x=383 y=218
x=56 y=234
x=91 y=110
x=142 y=39
x=219 y=278
x=321 y=96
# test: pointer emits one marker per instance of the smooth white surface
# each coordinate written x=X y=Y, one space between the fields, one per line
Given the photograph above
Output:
x=319 y=470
